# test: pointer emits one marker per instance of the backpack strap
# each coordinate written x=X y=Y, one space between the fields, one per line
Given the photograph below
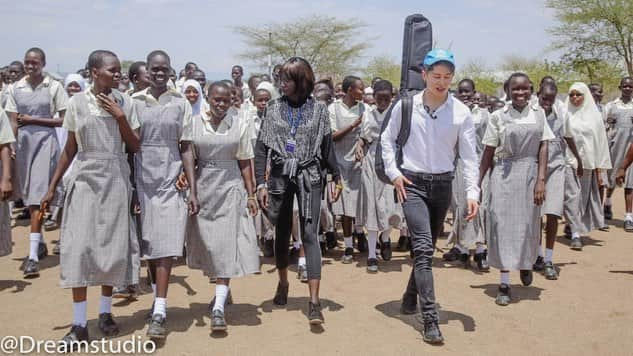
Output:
x=405 y=127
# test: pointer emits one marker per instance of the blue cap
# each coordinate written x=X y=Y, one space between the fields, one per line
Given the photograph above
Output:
x=438 y=55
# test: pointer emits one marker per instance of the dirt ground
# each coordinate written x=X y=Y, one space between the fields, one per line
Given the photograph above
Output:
x=588 y=311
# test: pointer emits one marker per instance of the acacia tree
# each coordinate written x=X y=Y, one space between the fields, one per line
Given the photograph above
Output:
x=384 y=67
x=594 y=30
x=332 y=46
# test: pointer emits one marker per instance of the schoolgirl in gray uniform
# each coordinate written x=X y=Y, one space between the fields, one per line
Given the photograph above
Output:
x=31 y=104
x=99 y=245
x=516 y=136
x=6 y=184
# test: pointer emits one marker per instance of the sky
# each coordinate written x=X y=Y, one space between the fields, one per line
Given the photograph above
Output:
x=202 y=30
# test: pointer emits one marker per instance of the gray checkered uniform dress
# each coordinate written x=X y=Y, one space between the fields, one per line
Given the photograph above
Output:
x=514 y=220
x=99 y=244
x=6 y=241
x=221 y=239
x=621 y=142
x=583 y=208
x=350 y=169
x=157 y=166
x=469 y=233
x=377 y=208
x=555 y=180
x=37 y=150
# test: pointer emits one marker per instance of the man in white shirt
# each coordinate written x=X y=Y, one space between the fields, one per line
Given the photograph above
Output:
x=439 y=125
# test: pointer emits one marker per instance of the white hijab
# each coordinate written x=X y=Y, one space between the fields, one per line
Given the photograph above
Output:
x=74 y=77
x=196 y=107
x=588 y=130
x=270 y=88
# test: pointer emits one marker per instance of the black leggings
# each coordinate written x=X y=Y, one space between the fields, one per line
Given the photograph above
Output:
x=309 y=230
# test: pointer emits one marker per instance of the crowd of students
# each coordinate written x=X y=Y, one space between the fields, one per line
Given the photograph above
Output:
x=146 y=166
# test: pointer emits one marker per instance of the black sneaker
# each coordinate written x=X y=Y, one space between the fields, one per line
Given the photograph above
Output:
x=56 y=248
x=385 y=250
x=432 y=333
x=269 y=248
x=482 y=261
x=628 y=225
x=503 y=295
x=281 y=295
x=330 y=239
x=452 y=255
x=32 y=269
x=24 y=215
x=156 y=329
x=464 y=260
x=608 y=213
x=74 y=336
x=218 y=322
x=539 y=264
x=42 y=250
x=293 y=255
x=361 y=242
x=315 y=316
x=348 y=256
x=372 y=265
x=567 y=231
x=107 y=325
x=549 y=271
x=402 y=243
x=526 y=277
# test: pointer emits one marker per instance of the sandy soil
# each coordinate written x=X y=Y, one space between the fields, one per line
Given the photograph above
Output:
x=588 y=311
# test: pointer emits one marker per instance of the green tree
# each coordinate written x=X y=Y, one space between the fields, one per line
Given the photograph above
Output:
x=484 y=78
x=595 y=30
x=125 y=65
x=332 y=46
x=384 y=67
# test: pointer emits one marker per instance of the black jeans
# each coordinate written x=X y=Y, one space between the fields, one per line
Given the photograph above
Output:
x=282 y=202
x=425 y=210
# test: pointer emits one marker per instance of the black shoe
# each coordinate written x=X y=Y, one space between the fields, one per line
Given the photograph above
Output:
x=19 y=204
x=385 y=251
x=348 y=256
x=361 y=242
x=107 y=325
x=402 y=243
x=42 y=250
x=24 y=215
x=323 y=246
x=503 y=295
x=75 y=335
x=269 y=248
x=330 y=239
x=315 y=316
x=464 y=260
x=482 y=261
x=56 y=248
x=526 y=277
x=156 y=329
x=608 y=213
x=567 y=231
x=452 y=255
x=539 y=264
x=218 y=322
x=409 y=304
x=293 y=256
x=281 y=295
x=31 y=269
x=372 y=265
x=628 y=225
x=432 y=333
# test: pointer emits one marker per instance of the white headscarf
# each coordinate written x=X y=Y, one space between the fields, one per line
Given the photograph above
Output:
x=269 y=87
x=196 y=107
x=74 y=77
x=588 y=130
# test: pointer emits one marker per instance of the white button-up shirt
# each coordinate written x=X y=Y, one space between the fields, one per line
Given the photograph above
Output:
x=433 y=142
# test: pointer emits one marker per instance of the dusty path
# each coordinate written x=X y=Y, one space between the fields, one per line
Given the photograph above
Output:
x=588 y=311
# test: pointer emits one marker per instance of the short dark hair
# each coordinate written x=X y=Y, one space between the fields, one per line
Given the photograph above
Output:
x=299 y=71
x=467 y=80
x=518 y=75
x=548 y=86
x=238 y=67
x=39 y=52
x=191 y=64
x=16 y=63
x=594 y=85
x=96 y=58
x=625 y=78
x=158 y=52
x=349 y=81
x=547 y=78
x=218 y=84
x=134 y=69
x=383 y=85
x=327 y=82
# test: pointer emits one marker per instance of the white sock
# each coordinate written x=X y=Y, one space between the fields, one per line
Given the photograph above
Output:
x=154 y=289
x=480 y=248
x=607 y=201
x=302 y=261
x=548 y=254
x=79 y=313
x=372 y=236
x=349 y=243
x=505 y=278
x=221 y=292
x=540 y=251
x=575 y=235
x=297 y=245
x=385 y=236
x=160 y=306
x=34 y=242
x=628 y=217
x=105 y=304
x=359 y=229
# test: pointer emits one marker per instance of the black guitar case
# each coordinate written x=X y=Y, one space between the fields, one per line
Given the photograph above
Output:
x=417 y=42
